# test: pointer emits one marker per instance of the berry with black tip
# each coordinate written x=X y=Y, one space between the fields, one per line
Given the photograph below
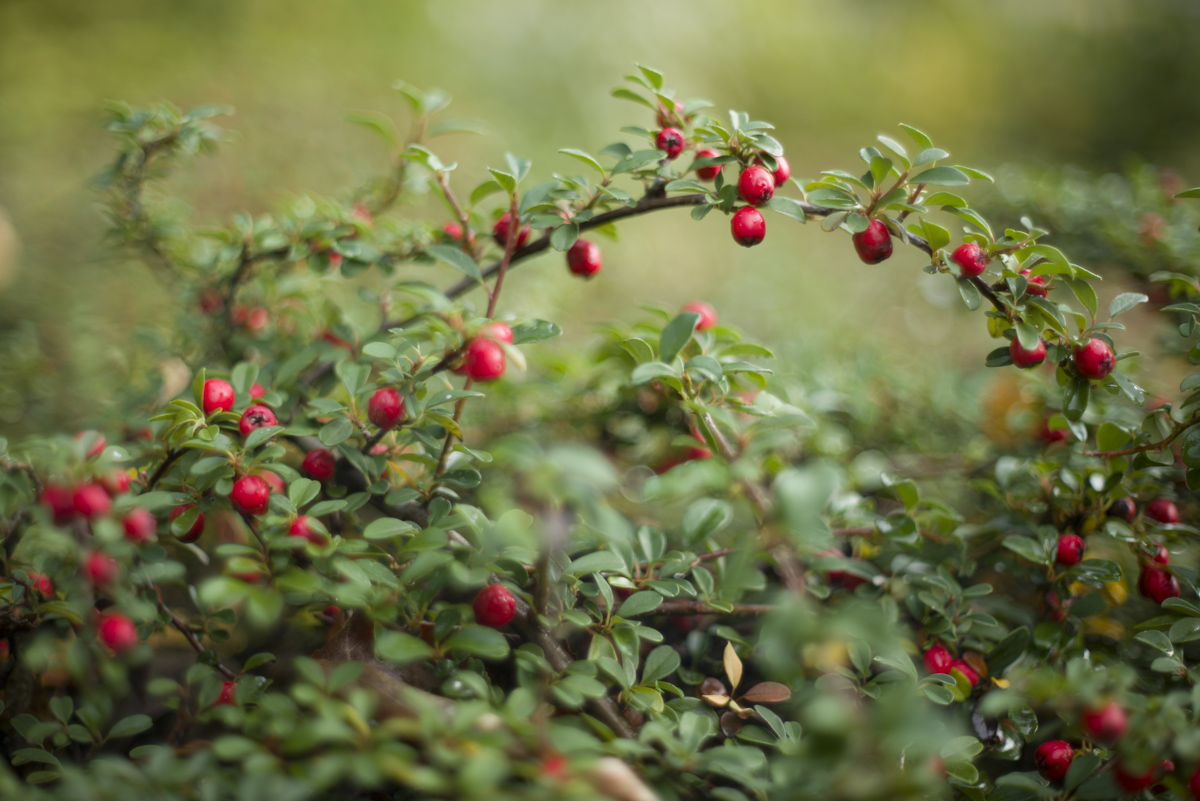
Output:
x=1053 y=759
x=1123 y=508
x=708 y=315
x=1157 y=584
x=139 y=526
x=708 y=173
x=874 y=243
x=385 y=408
x=1094 y=359
x=756 y=185
x=938 y=659
x=670 y=141
x=218 y=395
x=500 y=231
x=1070 y=549
x=969 y=259
x=256 y=416
x=319 y=463
x=584 y=258
x=1163 y=510
x=483 y=360
x=748 y=227
x=494 y=606
x=117 y=632
x=250 y=495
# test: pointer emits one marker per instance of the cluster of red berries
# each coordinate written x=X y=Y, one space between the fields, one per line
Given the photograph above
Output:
x=938 y=659
x=1155 y=582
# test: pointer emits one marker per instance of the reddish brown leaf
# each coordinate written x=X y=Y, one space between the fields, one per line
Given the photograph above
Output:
x=731 y=724
x=767 y=692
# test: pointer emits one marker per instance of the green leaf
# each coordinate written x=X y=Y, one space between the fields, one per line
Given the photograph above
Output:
x=660 y=663
x=676 y=334
x=787 y=207
x=640 y=603
x=928 y=155
x=585 y=158
x=479 y=641
x=941 y=176
x=1027 y=547
x=645 y=373
x=923 y=141
x=1075 y=398
x=335 y=432
x=1131 y=390
x=626 y=94
x=563 y=236
x=1027 y=335
x=457 y=259
x=969 y=292
x=1124 y=302
x=387 y=527
x=402 y=649
x=1086 y=294
x=1007 y=651
x=937 y=236
x=536 y=331
x=127 y=727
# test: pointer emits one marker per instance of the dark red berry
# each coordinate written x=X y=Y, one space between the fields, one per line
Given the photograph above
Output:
x=970 y=260
x=250 y=495
x=670 y=141
x=1161 y=555
x=1094 y=359
x=319 y=463
x=748 y=227
x=117 y=632
x=707 y=173
x=303 y=527
x=483 y=360
x=101 y=569
x=1163 y=510
x=226 y=697
x=756 y=185
x=1035 y=285
x=385 y=408
x=1132 y=781
x=41 y=583
x=1123 y=508
x=874 y=244
x=1070 y=549
x=938 y=659
x=498 y=331
x=1053 y=759
x=1194 y=784
x=1026 y=359
x=139 y=526
x=256 y=417
x=218 y=395
x=92 y=501
x=1105 y=724
x=494 y=606
x=193 y=533
x=783 y=171
x=968 y=673
x=1157 y=584
x=500 y=231
x=583 y=258
x=60 y=501
x=1052 y=435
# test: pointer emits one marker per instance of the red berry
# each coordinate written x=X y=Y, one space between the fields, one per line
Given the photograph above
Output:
x=708 y=315
x=783 y=171
x=335 y=259
x=962 y=667
x=193 y=533
x=938 y=659
x=256 y=417
x=211 y=302
x=1157 y=584
x=698 y=452
x=1163 y=510
x=494 y=606
x=1035 y=285
x=1053 y=759
x=226 y=697
x=664 y=117
x=250 y=495
x=500 y=231
x=218 y=394
x=256 y=320
x=385 y=408
x=97 y=440
x=1050 y=435
x=1161 y=555
x=970 y=260
x=483 y=360
x=117 y=632
x=1070 y=549
x=1094 y=359
x=92 y=501
x=1123 y=508
x=1131 y=782
x=748 y=227
x=670 y=141
x=139 y=526
x=707 y=173
x=273 y=481
x=1194 y=784
x=583 y=258
x=1026 y=359
x=1105 y=724
x=256 y=391
x=302 y=527
x=100 y=569
x=498 y=331
x=319 y=463
x=453 y=230
x=756 y=185
x=874 y=244
x=116 y=482
x=41 y=583
x=60 y=501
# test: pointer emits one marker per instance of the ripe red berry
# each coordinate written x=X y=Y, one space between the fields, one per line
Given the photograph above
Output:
x=1133 y=782
x=1123 y=508
x=139 y=526
x=453 y=230
x=117 y=632
x=303 y=527
x=670 y=141
x=1026 y=359
x=100 y=569
x=319 y=463
x=968 y=673
x=226 y=697
x=498 y=331
x=1163 y=510
x=193 y=533
x=273 y=481
x=385 y=408
x=707 y=173
x=92 y=501
x=970 y=260
x=748 y=226
x=1194 y=784
x=1105 y=724
x=256 y=417
x=584 y=258
x=494 y=606
x=218 y=394
x=116 y=482
x=708 y=315
x=256 y=320
x=1157 y=584
x=60 y=501
x=1053 y=759
x=97 y=441
x=483 y=360
x=41 y=583
x=256 y=391
x=874 y=244
x=1070 y=549
x=698 y=451
x=938 y=659
x=1094 y=359
x=783 y=171
x=1161 y=555
x=500 y=231
x=1035 y=285
x=756 y=185
x=250 y=495
x=1052 y=435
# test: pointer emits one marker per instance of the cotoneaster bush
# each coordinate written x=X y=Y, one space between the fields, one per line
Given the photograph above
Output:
x=373 y=553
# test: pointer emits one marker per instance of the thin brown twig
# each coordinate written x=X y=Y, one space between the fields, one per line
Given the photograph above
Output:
x=187 y=632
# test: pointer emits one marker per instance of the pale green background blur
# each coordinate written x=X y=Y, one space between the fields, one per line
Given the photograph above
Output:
x=1032 y=82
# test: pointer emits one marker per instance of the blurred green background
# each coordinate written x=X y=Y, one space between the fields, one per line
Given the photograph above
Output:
x=1090 y=82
